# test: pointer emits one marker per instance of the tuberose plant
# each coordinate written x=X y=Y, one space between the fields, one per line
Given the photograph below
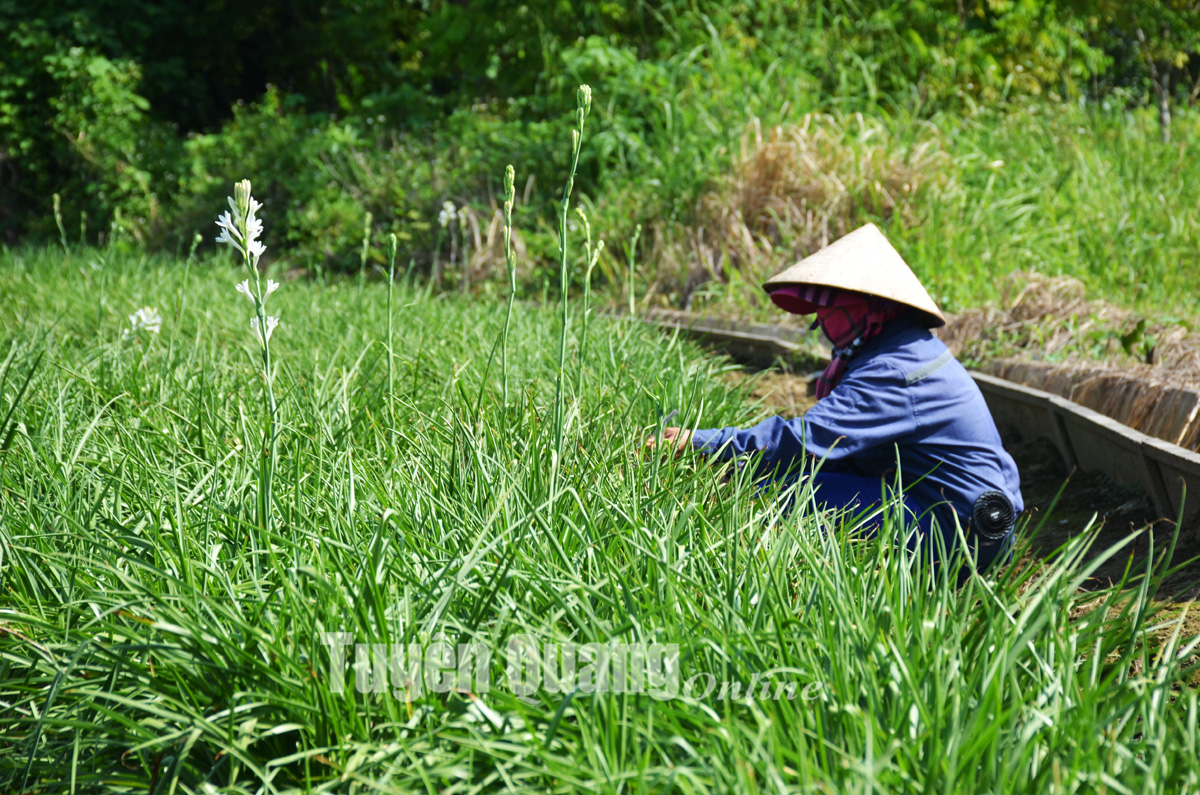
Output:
x=242 y=230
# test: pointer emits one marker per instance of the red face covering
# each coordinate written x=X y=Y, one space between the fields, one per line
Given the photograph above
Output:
x=846 y=320
x=849 y=319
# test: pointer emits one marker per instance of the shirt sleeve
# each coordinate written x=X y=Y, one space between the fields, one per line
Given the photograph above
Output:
x=870 y=409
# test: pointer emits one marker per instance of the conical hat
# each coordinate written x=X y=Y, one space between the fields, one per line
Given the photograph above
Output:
x=865 y=262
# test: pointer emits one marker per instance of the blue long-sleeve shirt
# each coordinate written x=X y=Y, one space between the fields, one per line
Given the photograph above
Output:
x=904 y=398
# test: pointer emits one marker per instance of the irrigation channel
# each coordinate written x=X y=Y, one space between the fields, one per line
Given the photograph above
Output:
x=1077 y=465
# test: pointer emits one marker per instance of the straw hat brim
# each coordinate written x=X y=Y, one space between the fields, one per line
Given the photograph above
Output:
x=865 y=262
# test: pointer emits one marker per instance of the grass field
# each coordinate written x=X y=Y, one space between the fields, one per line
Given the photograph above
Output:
x=157 y=636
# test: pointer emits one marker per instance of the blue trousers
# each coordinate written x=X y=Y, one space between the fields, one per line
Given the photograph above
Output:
x=858 y=494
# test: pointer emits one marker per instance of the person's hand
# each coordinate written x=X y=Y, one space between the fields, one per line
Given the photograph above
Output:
x=674 y=438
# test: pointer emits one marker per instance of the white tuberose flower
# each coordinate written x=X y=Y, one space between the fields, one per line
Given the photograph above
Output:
x=240 y=225
x=145 y=318
x=254 y=224
x=240 y=228
x=448 y=215
x=272 y=322
x=229 y=232
x=244 y=288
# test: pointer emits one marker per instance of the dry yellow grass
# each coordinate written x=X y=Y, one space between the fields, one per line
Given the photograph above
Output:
x=791 y=191
x=1047 y=316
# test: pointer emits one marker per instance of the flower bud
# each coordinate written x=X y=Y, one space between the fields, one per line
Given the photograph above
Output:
x=510 y=178
x=583 y=99
x=241 y=196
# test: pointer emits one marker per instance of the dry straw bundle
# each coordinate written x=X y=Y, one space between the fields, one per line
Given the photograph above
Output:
x=794 y=189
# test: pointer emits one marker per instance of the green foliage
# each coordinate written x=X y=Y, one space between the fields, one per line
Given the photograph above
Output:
x=320 y=176
x=72 y=121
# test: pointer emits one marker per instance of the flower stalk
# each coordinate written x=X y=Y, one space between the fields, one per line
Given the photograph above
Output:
x=362 y=254
x=391 y=351
x=58 y=220
x=240 y=229
x=583 y=106
x=180 y=291
x=448 y=216
x=630 y=254
x=591 y=257
x=511 y=263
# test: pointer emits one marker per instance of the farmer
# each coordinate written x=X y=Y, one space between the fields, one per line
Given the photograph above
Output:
x=892 y=396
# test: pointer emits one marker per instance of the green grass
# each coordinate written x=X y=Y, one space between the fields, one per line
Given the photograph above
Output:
x=153 y=637
x=1090 y=195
